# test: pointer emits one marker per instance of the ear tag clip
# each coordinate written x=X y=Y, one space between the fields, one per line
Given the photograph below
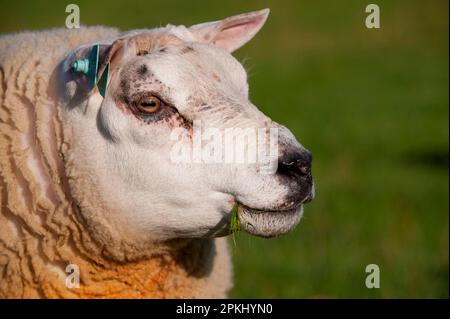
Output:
x=89 y=67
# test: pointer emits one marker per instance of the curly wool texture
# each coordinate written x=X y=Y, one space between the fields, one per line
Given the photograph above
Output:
x=41 y=228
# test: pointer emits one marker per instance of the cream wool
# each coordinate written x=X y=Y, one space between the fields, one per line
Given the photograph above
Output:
x=41 y=229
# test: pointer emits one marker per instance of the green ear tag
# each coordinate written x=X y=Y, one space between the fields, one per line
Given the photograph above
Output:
x=93 y=63
x=102 y=84
x=88 y=66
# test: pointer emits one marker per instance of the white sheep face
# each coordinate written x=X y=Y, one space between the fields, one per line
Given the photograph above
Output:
x=125 y=141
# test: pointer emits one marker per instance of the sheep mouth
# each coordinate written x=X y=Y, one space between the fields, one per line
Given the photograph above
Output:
x=268 y=223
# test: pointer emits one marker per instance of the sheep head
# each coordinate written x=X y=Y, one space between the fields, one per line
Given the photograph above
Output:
x=164 y=86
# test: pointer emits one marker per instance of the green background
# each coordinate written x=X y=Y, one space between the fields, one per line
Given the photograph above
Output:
x=371 y=105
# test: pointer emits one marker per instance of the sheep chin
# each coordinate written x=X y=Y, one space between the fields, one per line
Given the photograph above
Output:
x=269 y=223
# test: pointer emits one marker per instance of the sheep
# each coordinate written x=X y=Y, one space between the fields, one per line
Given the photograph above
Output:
x=85 y=175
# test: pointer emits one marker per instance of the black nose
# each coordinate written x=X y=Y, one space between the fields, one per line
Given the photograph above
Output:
x=296 y=164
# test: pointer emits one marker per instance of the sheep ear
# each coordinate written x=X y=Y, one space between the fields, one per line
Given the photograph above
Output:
x=91 y=66
x=109 y=61
x=230 y=33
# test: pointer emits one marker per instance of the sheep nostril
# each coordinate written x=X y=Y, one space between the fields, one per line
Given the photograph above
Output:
x=304 y=170
x=298 y=163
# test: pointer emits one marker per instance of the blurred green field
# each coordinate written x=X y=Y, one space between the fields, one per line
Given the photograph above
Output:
x=372 y=106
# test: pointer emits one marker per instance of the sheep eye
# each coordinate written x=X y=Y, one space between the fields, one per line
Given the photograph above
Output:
x=150 y=104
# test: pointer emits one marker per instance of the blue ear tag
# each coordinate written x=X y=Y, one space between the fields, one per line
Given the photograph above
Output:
x=89 y=67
